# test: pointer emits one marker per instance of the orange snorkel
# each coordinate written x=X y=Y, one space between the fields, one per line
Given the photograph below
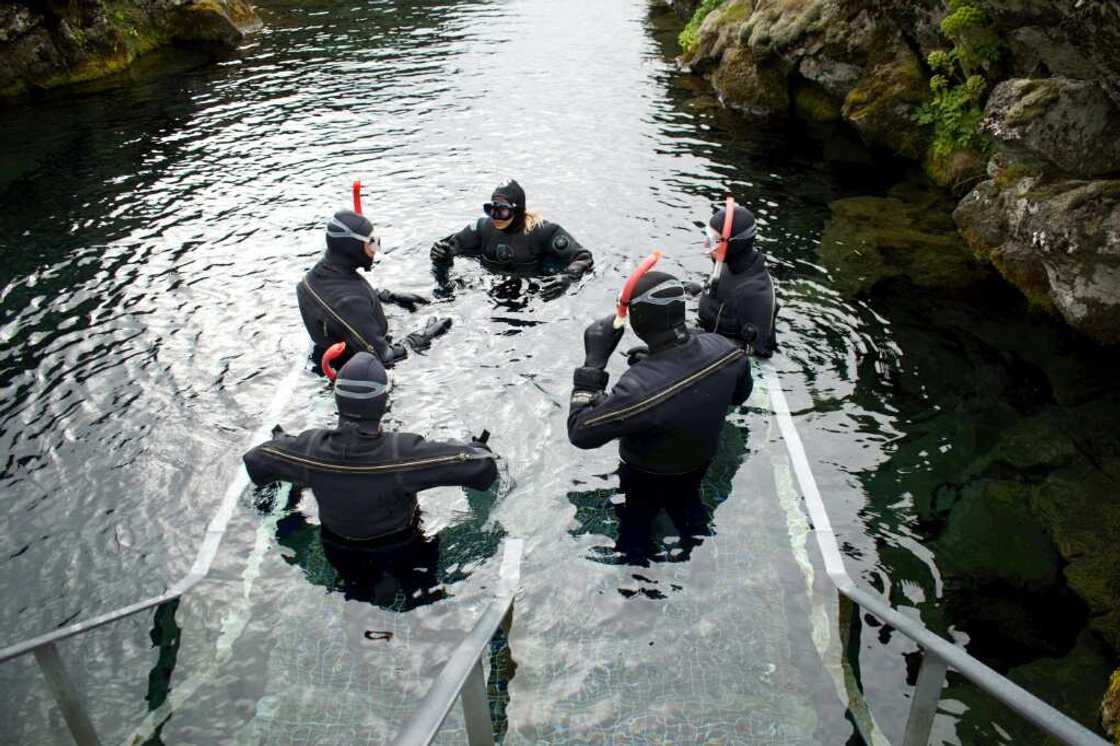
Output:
x=357 y=196
x=332 y=354
x=720 y=253
x=628 y=288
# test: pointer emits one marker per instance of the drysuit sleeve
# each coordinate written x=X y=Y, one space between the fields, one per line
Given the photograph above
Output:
x=267 y=463
x=447 y=465
x=467 y=242
x=744 y=384
x=562 y=246
x=595 y=417
x=364 y=325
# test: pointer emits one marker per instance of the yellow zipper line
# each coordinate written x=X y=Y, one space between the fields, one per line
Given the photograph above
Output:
x=657 y=398
x=364 y=469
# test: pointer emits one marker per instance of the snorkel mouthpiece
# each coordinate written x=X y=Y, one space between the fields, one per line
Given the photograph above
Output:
x=333 y=352
x=628 y=288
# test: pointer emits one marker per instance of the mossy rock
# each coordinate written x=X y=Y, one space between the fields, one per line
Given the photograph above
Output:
x=1064 y=683
x=1080 y=508
x=959 y=170
x=1036 y=443
x=992 y=536
x=211 y=22
x=813 y=102
x=754 y=88
x=1110 y=707
x=871 y=239
x=883 y=103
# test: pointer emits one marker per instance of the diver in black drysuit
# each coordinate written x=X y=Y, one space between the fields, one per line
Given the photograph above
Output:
x=512 y=241
x=741 y=305
x=667 y=410
x=338 y=305
x=365 y=480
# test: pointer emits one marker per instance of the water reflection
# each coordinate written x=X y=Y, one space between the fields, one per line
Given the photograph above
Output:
x=659 y=518
x=415 y=569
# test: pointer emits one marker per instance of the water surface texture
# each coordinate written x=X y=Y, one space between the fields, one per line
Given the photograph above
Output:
x=153 y=232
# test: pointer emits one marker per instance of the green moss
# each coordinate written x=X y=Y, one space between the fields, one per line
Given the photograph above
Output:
x=687 y=37
x=871 y=239
x=882 y=103
x=814 y=103
x=1081 y=510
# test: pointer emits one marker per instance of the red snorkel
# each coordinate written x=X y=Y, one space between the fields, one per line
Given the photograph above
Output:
x=333 y=352
x=720 y=253
x=338 y=348
x=628 y=288
x=357 y=196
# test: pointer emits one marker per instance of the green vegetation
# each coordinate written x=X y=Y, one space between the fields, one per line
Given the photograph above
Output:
x=959 y=83
x=687 y=37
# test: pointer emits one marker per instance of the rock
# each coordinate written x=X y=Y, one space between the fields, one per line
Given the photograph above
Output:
x=758 y=90
x=1110 y=707
x=719 y=31
x=52 y=44
x=1057 y=241
x=16 y=21
x=870 y=239
x=1063 y=682
x=218 y=22
x=883 y=104
x=993 y=537
x=1072 y=124
x=1080 y=508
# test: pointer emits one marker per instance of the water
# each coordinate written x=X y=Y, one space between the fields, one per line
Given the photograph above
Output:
x=154 y=230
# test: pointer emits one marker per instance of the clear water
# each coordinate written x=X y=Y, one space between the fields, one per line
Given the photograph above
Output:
x=153 y=231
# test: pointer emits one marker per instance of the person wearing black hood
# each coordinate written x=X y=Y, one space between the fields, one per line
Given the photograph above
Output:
x=667 y=410
x=338 y=305
x=511 y=240
x=739 y=302
x=364 y=479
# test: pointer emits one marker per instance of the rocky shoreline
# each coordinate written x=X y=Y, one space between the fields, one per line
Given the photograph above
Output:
x=48 y=43
x=1012 y=110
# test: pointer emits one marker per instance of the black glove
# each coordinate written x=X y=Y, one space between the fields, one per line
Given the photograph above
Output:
x=554 y=287
x=407 y=301
x=599 y=340
x=443 y=250
x=636 y=354
x=277 y=431
x=693 y=289
x=422 y=338
x=750 y=333
x=481 y=440
x=399 y=351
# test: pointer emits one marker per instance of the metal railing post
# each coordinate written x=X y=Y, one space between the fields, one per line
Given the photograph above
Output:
x=927 y=694
x=77 y=719
x=476 y=708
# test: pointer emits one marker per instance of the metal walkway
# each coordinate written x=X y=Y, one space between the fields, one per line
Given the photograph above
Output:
x=462 y=675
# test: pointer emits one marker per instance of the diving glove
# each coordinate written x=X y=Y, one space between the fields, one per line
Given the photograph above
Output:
x=599 y=340
x=442 y=250
x=422 y=338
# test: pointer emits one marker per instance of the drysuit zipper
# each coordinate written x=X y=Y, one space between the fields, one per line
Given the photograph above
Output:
x=656 y=399
x=373 y=468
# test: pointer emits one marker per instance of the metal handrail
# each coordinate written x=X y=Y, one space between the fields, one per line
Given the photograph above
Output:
x=44 y=646
x=462 y=674
x=939 y=652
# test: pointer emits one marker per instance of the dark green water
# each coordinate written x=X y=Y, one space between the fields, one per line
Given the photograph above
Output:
x=153 y=232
